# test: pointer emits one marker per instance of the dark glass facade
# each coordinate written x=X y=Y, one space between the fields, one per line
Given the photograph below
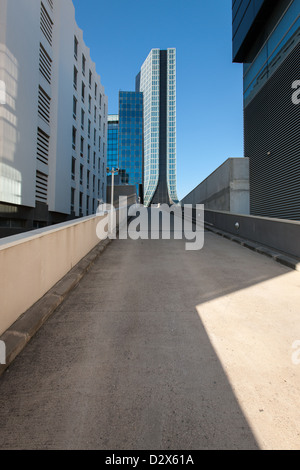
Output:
x=131 y=138
x=266 y=39
x=112 y=140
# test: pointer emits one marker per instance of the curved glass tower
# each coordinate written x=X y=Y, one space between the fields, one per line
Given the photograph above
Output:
x=157 y=81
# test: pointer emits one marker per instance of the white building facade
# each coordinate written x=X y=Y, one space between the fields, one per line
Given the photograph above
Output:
x=53 y=117
x=157 y=81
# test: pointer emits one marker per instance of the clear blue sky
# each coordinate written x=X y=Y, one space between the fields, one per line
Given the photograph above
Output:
x=120 y=35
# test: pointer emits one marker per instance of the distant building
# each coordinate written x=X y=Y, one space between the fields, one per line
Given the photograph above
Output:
x=266 y=39
x=131 y=138
x=53 y=120
x=125 y=141
x=157 y=82
x=112 y=141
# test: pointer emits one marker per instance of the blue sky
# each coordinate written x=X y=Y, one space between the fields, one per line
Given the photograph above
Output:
x=120 y=35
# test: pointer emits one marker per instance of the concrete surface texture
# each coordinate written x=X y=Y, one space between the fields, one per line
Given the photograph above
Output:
x=161 y=348
x=226 y=189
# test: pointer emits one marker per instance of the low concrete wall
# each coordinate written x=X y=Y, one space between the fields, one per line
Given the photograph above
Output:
x=32 y=263
x=279 y=234
x=226 y=189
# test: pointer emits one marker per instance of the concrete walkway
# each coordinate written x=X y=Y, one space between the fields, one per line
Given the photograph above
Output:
x=160 y=348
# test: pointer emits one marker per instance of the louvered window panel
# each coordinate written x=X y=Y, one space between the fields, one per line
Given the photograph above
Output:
x=50 y=2
x=272 y=142
x=45 y=64
x=42 y=147
x=44 y=102
x=41 y=187
x=46 y=24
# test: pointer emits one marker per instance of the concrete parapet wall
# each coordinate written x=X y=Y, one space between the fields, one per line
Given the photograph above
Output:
x=279 y=234
x=226 y=189
x=32 y=263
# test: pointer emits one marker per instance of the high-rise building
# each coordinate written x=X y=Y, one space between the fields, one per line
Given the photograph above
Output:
x=125 y=141
x=131 y=138
x=266 y=39
x=157 y=82
x=53 y=120
x=112 y=141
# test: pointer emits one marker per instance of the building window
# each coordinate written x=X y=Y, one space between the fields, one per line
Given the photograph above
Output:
x=95 y=136
x=95 y=114
x=99 y=122
x=100 y=101
x=95 y=91
x=75 y=47
x=94 y=161
x=45 y=64
x=99 y=144
x=104 y=109
x=82 y=119
x=90 y=79
x=83 y=64
x=88 y=179
x=104 y=129
x=80 y=202
x=46 y=24
x=73 y=170
x=99 y=166
x=43 y=141
x=90 y=104
x=89 y=128
x=74 y=107
x=89 y=154
x=81 y=174
x=87 y=205
x=94 y=183
x=99 y=184
x=74 y=131
x=82 y=91
x=44 y=102
x=81 y=146
x=72 y=199
x=75 y=77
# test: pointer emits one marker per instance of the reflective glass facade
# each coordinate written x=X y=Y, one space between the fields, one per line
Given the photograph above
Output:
x=244 y=14
x=157 y=81
x=275 y=49
x=112 y=140
x=266 y=39
x=131 y=138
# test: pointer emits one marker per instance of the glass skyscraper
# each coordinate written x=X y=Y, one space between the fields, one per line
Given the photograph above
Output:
x=112 y=140
x=157 y=82
x=131 y=138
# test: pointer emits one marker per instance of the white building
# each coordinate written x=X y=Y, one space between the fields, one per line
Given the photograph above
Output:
x=53 y=117
x=157 y=81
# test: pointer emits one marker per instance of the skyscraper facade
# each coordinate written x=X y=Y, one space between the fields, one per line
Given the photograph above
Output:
x=131 y=138
x=266 y=39
x=112 y=140
x=53 y=119
x=157 y=82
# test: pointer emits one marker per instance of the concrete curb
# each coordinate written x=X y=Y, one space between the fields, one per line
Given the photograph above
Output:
x=281 y=258
x=20 y=333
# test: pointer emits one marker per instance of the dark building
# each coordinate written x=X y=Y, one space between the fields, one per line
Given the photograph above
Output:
x=266 y=39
